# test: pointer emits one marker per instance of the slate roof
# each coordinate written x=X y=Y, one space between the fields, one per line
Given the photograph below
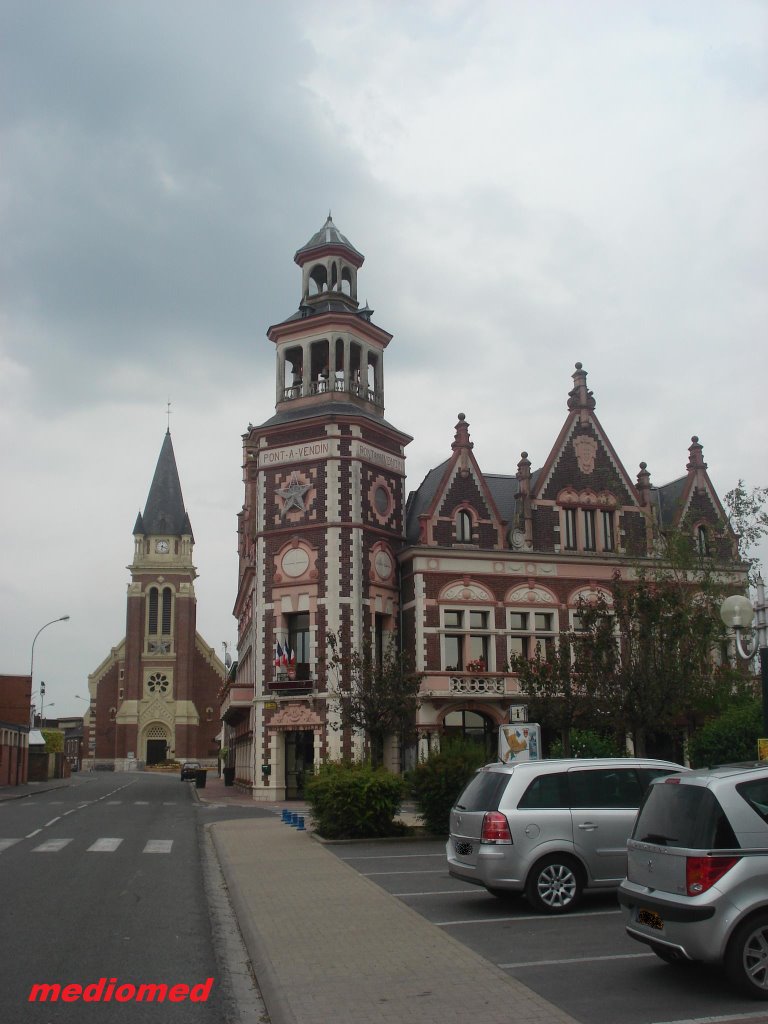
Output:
x=667 y=499
x=164 y=512
x=328 y=234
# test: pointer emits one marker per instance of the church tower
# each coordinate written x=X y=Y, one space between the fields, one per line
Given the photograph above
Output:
x=322 y=521
x=156 y=694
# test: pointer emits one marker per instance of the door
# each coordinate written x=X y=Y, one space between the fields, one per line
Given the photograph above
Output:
x=604 y=803
x=156 y=751
x=299 y=762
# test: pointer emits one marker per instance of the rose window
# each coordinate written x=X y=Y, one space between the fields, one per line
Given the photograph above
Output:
x=157 y=683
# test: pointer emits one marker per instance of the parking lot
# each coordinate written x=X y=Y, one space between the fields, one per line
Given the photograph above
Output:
x=583 y=962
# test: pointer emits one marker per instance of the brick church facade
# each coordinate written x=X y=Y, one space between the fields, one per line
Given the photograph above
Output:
x=155 y=695
x=472 y=569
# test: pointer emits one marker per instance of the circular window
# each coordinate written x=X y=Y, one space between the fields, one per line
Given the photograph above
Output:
x=381 y=500
x=295 y=562
x=157 y=683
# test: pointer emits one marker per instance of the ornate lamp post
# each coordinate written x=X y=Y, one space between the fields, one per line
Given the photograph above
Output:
x=738 y=614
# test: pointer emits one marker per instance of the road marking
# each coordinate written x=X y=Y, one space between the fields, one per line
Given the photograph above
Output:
x=52 y=821
x=158 y=846
x=104 y=846
x=170 y=803
x=5 y=843
x=424 y=871
x=113 y=803
x=576 y=960
x=715 y=1020
x=532 y=917
x=52 y=846
x=439 y=892
x=30 y=834
x=396 y=856
x=141 y=803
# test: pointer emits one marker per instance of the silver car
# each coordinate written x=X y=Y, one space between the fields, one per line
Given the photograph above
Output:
x=697 y=882
x=549 y=829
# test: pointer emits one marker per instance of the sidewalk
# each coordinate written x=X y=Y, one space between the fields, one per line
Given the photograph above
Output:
x=32 y=788
x=327 y=944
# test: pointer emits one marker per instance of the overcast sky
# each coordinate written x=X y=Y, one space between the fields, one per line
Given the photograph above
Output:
x=532 y=183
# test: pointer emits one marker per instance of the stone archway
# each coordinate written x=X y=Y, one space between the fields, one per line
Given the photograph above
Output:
x=156 y=743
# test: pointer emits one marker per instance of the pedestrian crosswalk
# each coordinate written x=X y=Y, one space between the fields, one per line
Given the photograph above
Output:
x=105 y=844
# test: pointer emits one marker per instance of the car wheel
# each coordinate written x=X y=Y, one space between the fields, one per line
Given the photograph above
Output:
x=554 y=885
x=746 y=960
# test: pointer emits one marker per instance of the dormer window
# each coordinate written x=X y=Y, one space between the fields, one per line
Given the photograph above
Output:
x=463 y=527
x=702 y=541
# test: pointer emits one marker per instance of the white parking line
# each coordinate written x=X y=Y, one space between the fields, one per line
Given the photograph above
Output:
x=532 y=917
x=52 y=846
x=158 y=846
x=30 y=834
x=425 y=871
x=440 y=892
x=5 y=843
x=141 y=803
x=575 y=960
x=52 y=821
x=104 y=846
x=757 y=1019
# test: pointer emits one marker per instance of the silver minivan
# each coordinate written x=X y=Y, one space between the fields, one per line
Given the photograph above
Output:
x=549 y=829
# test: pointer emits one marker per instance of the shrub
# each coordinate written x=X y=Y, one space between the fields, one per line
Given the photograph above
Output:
x=731 y=737
x=586 y=743
x=354 y=801
x=437 y=782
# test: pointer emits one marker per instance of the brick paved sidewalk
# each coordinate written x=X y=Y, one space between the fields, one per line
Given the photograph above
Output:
x=328 y=945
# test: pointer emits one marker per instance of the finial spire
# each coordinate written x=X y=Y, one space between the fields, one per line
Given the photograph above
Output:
x=168 y=414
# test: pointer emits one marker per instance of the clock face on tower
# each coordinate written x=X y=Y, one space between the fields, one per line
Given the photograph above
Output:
x=383 y=565
x=162 y=547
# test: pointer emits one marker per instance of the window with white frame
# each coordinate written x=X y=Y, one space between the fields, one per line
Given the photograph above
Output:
x=465 y=639
x=463 y=527
x=588 y=529
x=609 y=532
x=588 y=522
x=571 y=541
x=530 y=628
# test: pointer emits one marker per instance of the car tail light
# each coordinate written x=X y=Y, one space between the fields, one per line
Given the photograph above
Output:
x=701 y=873
x=495 y=829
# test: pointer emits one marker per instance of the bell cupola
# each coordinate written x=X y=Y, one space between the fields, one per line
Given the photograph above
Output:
x=329 y=351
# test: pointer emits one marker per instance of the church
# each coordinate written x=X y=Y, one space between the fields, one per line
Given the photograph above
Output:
x=155 y=695
x=471 y=569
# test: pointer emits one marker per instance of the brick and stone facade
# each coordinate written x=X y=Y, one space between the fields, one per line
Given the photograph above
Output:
x=156 y=694
x=472 y=569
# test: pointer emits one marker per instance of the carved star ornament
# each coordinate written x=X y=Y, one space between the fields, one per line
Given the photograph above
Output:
x=293 y=494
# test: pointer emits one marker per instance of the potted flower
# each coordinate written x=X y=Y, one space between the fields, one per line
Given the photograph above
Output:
x=478 y=665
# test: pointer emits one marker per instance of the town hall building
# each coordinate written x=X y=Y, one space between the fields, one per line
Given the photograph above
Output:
x=472 y=569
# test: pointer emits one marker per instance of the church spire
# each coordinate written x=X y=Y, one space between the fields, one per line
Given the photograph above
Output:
x=164 y=511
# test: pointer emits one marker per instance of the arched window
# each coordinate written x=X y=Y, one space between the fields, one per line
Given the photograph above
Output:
x=702 y=541
x=167 y=609
x=463 y=527
x=152 y=612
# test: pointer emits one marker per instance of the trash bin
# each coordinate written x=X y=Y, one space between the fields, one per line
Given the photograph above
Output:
x=200 y=776
x=229 y=776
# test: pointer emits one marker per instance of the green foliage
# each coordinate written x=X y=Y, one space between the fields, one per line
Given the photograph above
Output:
x=749 y=519
x=378 y=696
x=354 y=801
x=54 y=740
x=731 y=737
x=587 y=743
x=559 y=698
x=437 y=782
x=647 y=656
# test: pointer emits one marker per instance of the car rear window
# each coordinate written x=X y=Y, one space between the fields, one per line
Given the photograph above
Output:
x=547 y=791
x=683 y=816
x=756 y=795
x=483 y=793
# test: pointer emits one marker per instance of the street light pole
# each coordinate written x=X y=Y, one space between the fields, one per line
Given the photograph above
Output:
x=63 y=618
x=738 y=614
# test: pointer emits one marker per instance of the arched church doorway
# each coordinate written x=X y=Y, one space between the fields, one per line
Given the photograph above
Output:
x=474 y=727
x=156 y=743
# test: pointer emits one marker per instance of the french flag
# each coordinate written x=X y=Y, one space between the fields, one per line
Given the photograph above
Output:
x=279 y=655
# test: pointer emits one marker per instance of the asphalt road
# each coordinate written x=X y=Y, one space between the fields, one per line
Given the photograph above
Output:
x=104 y=879
x=582 y=962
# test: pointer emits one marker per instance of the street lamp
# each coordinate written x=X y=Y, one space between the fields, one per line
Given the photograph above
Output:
x=63 y=618
x=738 y=614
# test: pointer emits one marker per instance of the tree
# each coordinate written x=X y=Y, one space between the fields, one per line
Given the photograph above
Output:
x=559 y=696
x=731 y=737
x=379 y=696
x=648 y=655
x=749 y=519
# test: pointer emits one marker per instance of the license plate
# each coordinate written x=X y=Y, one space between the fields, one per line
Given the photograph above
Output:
x=463 y=849
x=650 y=918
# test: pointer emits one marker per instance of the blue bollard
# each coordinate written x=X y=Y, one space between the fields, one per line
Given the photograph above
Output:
x=286 y=816
x=294 y=819
x=300 y=826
